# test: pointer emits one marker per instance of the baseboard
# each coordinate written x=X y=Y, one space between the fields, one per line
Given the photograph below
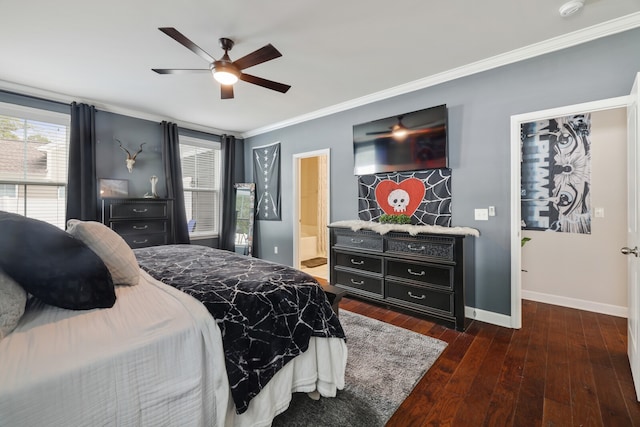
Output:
x=612 y=310
x=488 y=317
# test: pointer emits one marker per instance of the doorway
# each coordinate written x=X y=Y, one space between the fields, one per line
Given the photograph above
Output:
x=311 y=212
x=516 y=215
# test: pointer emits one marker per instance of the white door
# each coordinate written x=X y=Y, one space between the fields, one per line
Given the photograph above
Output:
x=633 y=235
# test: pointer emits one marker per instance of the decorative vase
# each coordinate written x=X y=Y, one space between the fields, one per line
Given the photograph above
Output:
x=154 y=182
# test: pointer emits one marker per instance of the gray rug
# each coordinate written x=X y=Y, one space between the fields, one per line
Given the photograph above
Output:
x=384 y=364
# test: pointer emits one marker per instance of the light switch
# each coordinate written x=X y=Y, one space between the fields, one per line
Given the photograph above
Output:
x=492 y=211
x=598 y=212
x=482 y=214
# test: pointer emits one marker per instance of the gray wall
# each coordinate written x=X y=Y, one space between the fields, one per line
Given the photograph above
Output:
x=480 y=107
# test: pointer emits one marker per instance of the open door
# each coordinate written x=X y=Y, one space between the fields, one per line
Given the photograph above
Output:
x=633 y=235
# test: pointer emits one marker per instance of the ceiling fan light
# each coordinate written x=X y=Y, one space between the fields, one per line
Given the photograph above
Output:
x=225 y=77
x=399 y=131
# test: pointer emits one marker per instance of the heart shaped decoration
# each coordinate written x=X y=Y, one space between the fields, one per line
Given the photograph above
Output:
x=400 y=198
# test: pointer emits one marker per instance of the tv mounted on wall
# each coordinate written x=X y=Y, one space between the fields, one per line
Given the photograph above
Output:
x=411 y=141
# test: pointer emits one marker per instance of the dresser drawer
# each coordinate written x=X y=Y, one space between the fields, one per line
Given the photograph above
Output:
x=432 y=247
x=139 y=227
x=361 y=262
x=427 y=298
x=138 y=210
x=435 y=275
x=359 y=240
x=144 y=240
x=359 y=281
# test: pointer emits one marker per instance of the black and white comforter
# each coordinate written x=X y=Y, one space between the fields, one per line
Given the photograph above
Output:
x=267 y=312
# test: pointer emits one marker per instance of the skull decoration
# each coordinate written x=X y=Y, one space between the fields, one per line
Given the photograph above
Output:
x=398 y=199
x=131 y=159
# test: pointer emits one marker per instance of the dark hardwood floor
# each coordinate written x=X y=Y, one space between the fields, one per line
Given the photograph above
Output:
x=565 y=367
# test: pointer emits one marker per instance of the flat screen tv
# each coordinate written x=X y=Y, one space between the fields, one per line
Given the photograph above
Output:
x=411 y=141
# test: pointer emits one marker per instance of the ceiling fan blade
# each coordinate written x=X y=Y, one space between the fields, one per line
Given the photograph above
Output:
x=264 y=54
x=280 y=87
x=181 y=71
x=226 y=91
x=184 y=41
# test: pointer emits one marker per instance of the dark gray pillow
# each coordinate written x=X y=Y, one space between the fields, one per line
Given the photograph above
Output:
x=52 y=265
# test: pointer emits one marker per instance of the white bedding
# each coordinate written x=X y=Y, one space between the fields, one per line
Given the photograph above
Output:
x=154 y=359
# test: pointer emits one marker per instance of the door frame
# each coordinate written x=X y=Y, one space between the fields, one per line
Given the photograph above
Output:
x=515 y=247
x=296 y=197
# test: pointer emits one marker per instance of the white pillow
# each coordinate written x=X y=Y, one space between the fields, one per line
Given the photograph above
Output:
x=13 y=300
x=110 y=247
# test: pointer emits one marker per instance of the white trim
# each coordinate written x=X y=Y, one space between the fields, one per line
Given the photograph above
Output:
x=597 y=307
x=487 y=317
x=597 y=31
x=516 y=121
x=296 y=189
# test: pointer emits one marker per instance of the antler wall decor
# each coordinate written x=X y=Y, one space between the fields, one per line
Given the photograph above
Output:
x=131 y=159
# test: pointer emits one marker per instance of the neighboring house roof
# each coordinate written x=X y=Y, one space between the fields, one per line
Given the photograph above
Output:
x=14 y=158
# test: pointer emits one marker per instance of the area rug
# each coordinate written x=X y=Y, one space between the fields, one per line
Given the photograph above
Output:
x=384 y=364
x=314 y=262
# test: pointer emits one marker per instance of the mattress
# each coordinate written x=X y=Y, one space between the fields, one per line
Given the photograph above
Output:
x=154 y=359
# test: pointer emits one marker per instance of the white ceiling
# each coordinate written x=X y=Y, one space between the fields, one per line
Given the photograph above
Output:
x=334 y=52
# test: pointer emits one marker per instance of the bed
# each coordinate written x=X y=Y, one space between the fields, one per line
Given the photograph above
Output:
x=156 y=357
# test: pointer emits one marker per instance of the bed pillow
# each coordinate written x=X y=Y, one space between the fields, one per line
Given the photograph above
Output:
x=13 y=300
x=110 y=247
x=52 y=265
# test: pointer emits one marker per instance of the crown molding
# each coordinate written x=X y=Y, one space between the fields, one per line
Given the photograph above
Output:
x=110 y=108
x=604 y=29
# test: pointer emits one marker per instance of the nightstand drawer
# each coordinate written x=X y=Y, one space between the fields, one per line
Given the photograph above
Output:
x=360 y=240
x=143 y=240
x=431 y=247
x=423 y=297
x=138 y=210
x=360 y=262
x=139 y=227
x=435 y=275
x=358 y=281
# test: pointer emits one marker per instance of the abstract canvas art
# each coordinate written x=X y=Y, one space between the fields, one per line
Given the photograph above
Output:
x=266 y=173
x=556 y=174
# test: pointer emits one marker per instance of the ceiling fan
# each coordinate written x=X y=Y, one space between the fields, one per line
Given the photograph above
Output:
x=224 y=70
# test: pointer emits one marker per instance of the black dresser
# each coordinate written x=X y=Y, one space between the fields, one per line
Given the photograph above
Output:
x=425 y=273
x=141 y=222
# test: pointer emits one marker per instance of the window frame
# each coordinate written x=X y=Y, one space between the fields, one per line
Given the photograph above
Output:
x=193 y=141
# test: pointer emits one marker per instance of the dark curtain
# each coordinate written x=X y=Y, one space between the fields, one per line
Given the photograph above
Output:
x=82 y=192
x=173 y=173
x=228 y=228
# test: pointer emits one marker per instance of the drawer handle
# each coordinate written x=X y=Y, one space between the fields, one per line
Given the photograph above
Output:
x=135 y=227
x=414 y=248
x=140 y=210
x=355 y=282
x=415 y=296
x=354 y=262
x=140 y=241
x=422 y=273
x=357 y=241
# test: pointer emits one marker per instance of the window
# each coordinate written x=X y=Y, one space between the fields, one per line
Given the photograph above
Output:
x=34 y=147
x=200 y=161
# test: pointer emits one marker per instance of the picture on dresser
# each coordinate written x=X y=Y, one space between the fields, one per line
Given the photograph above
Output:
x=425 y=196
x=555 y=187
x=114 y=188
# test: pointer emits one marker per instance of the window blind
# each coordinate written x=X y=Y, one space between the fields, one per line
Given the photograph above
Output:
x=200 y=161
x=34 y=146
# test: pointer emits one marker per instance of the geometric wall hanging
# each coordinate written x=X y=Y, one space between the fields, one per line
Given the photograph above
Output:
x=266 y=174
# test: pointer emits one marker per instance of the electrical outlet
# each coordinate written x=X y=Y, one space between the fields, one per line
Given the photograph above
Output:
x=275 y=249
